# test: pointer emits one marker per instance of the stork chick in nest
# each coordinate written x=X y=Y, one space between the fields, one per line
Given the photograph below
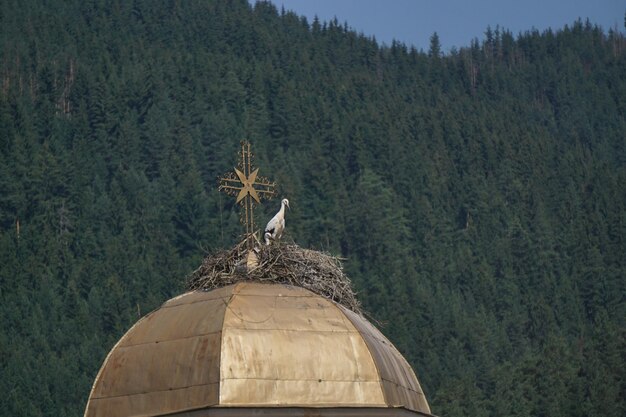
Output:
x=276 y=226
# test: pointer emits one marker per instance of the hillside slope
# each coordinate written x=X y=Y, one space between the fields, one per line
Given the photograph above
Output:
x=478 y=197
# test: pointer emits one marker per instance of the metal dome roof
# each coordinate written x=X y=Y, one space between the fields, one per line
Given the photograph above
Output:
x=252 y=345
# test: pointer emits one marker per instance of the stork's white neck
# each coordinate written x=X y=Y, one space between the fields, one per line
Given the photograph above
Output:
x=282 y=209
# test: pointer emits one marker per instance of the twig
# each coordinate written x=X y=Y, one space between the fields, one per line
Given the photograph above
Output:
x=287 y=264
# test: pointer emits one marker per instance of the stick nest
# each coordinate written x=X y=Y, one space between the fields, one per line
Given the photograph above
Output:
x=283 y=264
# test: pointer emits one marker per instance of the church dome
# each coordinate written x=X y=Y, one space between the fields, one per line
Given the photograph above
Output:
x=274 y=348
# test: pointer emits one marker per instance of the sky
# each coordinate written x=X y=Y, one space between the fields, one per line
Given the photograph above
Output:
x=456 y=22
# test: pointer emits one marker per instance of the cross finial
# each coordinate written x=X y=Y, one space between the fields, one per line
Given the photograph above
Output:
x=249 y=188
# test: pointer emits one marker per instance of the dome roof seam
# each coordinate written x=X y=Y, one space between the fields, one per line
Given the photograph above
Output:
x=165 y=305
x=169 y=340
x=105 y=397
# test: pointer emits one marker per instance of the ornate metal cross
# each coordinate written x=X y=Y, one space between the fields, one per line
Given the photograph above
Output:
x=249 y=188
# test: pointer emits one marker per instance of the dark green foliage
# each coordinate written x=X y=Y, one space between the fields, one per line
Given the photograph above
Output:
x=478 y=196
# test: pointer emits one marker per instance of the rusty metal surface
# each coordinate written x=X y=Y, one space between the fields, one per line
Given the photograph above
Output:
x=400 y=385
x=286 y=346
x=163 y=366
x=167 y=362
x=253 y=344
x=271 y=307
x=154 y=403
x=179 y=322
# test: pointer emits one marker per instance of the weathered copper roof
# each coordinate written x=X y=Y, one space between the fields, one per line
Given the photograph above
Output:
x=254 y=345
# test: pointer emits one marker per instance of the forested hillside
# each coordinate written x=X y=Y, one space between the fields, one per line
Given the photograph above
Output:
x=479 y=196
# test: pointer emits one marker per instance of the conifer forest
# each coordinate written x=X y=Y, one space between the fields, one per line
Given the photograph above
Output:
x=478 y=195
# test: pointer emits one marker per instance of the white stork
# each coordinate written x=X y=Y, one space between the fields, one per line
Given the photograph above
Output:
x=275 y=227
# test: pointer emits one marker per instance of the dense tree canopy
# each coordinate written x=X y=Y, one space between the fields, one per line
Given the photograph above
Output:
x=479 y=195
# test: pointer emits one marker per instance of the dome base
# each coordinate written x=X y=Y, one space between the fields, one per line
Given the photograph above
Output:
x=301 y=412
